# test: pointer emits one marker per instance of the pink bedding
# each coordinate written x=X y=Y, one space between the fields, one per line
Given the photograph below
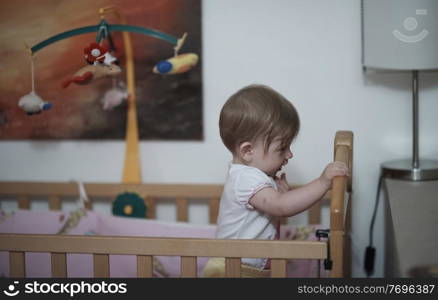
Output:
x=81 y=265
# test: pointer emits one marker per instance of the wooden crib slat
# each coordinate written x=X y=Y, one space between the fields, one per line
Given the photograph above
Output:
x=59 y=265
x=213 y=209
x=17 y=266
x=23 y=202
x=232 y=267
x=101 y=265
x=89 y=204
x=182 y=209
x=144 y=266
x=54 y=202
x=278 y=268
x=150 y=204
x=315 y=213
x=189 y=266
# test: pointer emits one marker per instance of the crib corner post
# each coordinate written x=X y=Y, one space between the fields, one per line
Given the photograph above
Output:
x=337 y=253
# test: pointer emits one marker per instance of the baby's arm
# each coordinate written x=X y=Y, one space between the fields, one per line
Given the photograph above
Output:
x=295 y=201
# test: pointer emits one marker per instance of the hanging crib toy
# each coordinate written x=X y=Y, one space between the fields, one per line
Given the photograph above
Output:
x=91 y=73
x=178 y=63
x=102 y=64
x=115 y=95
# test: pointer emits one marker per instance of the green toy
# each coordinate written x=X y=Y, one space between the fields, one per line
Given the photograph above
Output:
x=129 y=205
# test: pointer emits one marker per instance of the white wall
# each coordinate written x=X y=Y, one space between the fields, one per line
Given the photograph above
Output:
x=310 y=52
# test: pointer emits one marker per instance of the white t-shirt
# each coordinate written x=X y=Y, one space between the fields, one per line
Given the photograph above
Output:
x=237 y=218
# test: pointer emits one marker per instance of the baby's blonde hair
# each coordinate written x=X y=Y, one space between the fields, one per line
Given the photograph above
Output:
x=257 y=111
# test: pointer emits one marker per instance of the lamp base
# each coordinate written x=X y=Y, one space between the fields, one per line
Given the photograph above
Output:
x=402 y=169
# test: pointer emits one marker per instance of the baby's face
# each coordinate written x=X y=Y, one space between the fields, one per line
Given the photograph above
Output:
x=273 y=160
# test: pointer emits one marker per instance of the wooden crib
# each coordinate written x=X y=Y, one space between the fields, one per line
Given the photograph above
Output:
x=144 y=248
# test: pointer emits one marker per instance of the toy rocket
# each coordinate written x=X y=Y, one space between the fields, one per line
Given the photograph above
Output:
x=177 y=64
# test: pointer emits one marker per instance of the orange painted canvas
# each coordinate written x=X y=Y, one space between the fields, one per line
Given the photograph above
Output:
x=169 y=107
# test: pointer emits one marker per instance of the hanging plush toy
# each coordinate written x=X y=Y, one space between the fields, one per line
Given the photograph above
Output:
x=102 y=64
x=96 y=53
x=91 y=73
x=114 y=96
x=178 y=63
x=32 y=103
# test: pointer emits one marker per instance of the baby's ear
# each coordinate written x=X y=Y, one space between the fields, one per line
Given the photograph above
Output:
x=245 y=151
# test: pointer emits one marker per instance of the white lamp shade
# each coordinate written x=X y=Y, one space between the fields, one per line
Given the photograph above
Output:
x=400 y=34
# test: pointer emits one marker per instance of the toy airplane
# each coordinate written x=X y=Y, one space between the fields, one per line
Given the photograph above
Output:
x=91 y=73
x=177 y=64
x=33 y=104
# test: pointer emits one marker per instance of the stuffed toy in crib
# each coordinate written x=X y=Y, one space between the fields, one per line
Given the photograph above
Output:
x=129 y=205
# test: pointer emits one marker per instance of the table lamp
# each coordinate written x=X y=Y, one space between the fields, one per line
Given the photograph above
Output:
x=403 y=35
x=400 y=35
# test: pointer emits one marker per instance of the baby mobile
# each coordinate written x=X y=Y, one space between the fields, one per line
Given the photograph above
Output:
x=101 y=63
x=32 y=103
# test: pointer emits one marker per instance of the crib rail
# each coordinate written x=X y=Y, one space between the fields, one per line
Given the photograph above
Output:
x=151 y=193
x=145 y=248
x=109 y=189
x=23 y=191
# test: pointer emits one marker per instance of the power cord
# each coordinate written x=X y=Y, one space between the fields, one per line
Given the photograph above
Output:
x=328 y=263
x=370 y=252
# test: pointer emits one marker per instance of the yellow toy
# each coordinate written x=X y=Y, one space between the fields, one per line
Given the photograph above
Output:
x=178 y=63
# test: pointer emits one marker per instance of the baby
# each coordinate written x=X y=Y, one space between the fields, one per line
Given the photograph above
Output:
x=258 y=125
